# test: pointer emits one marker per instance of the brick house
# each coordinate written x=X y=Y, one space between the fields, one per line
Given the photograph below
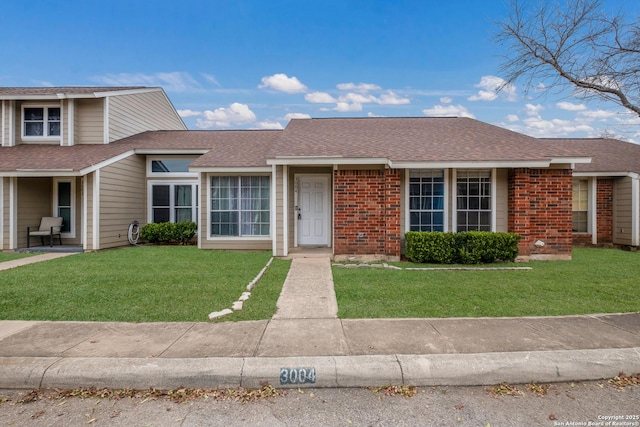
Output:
x=104 y=157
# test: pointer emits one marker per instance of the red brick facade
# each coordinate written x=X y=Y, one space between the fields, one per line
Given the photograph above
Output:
x=367 y=212
x=540 y=210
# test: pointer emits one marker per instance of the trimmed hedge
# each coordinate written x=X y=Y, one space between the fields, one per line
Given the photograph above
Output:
x=467 y=247
x=169 y=232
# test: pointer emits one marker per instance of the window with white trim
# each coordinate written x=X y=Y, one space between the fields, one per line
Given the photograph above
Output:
x=580 y=206
x=473 y=200
x=174 y=202
x=64 y=204
x=240 y=206
x=426 y=200
x=41 y=122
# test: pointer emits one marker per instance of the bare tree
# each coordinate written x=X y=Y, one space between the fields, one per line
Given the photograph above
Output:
x=573 y=43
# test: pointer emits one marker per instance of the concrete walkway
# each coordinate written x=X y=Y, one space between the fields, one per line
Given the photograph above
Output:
x=306 y=345
x=32 y=259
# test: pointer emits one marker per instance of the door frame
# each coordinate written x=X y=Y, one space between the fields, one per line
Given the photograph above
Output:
x=328 y=198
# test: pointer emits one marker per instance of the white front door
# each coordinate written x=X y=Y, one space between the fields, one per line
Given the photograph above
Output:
x=313 y=210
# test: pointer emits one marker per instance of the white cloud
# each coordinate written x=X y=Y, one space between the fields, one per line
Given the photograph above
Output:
x=568 y=106
x=189 y=113
x=446 y=100
x=319 y=98
x=598 y=114
x=533 y=110
x=296 y=116
x=345 y=107
x=390 y=98
x=283 y=83
x=513 y=118
x=448 y=111
x=373 y=115
x=491 y=87
x=211 y=79
x=270 y=125
x=175 y=81
x=236 y=114
x=360 y=87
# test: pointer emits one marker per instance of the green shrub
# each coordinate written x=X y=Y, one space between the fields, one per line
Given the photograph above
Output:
x=469 y=247
x=169 y=232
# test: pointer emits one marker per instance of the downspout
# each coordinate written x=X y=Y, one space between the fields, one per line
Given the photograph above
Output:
x=96 y=210
x=274 y=210
x=13 y=212
x=635 y=211
x=593 y=202
x=285 y=210
x=84 y=210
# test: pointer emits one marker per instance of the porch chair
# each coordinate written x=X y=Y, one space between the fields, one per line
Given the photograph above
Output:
x=49 y=226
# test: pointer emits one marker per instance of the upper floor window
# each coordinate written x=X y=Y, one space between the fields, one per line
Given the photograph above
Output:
x=170 y=166
x=41 y=122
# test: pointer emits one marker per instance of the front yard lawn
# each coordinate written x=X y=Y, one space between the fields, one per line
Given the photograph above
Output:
x=595 y=281
x=140 y=284
x=9 y=256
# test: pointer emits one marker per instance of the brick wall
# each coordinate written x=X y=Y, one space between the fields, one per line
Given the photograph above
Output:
x=540 y=209
x=604 y=211
x=367 y=212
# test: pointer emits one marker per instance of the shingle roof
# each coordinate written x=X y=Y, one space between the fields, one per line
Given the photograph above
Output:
x=408 y=139
x=397 y=139
x=608 y=155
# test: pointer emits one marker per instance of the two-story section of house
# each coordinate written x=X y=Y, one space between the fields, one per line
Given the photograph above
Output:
x=59 y=157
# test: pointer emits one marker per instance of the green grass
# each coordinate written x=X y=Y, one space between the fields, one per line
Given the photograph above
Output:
x=8 y=256
x=138 y=284
x=595 y=281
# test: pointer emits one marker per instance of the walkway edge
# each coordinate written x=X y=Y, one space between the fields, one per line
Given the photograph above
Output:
x=330 y=371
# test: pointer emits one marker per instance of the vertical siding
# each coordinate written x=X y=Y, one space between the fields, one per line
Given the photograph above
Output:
x=122 y=199
x=502 y=200
x=89 y=121
x=135 y=113
x=622 y=212
x=34 y=202
x=4 y=213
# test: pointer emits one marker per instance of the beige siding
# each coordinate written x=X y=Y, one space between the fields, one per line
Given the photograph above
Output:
x=4 y=214
x=502 y=200
x=88 y=194
x=122 y=199
x=6 y=109
x=89 y=121
x=622 y=211
x=34 y=202
x=135 y=113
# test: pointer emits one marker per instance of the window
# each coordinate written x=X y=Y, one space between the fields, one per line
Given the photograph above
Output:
x=426 y=200
x=580 y=205
x=170 y=166
x=63 y=198
x=174 y=202
x=473 y=200
x=41 y=121
x=240 y=206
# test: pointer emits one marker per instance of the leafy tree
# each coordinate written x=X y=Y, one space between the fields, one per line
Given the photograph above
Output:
x=573 y=43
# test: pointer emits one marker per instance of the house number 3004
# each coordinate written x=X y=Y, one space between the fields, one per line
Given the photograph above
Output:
x=297 y=375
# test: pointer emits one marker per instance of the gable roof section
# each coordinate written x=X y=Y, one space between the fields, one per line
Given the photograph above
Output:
x=609 y=156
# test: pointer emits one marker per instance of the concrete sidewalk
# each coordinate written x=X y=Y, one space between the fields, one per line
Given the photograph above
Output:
x=306 y=345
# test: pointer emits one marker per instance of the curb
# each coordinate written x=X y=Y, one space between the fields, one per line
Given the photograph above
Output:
x=476 y=369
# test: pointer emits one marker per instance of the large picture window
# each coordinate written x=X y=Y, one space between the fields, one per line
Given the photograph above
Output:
x=240 y=206
x=473 y=200
x=426 y=200
x=41 y=121
x=174 y=202
x=580 y=205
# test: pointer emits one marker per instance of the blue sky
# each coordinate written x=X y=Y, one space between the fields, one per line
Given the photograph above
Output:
x=242 y=64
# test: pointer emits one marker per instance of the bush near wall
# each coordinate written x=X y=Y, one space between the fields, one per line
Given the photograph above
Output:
x=467 y=247
x=169 y=232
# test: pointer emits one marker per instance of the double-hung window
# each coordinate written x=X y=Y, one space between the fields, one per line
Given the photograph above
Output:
x=580 y=205
x=473 y=200
x=240 y=206
x=41 y=122
x=426 y=200
x=174 y=202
